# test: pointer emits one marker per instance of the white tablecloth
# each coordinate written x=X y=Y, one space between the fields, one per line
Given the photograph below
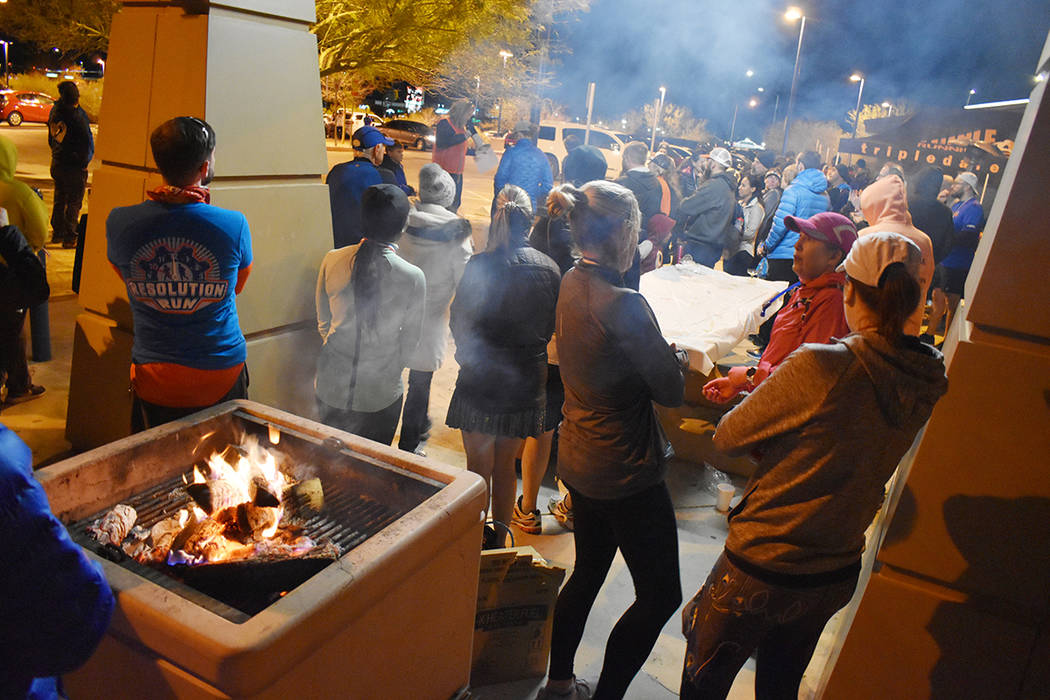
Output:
x=705 y=311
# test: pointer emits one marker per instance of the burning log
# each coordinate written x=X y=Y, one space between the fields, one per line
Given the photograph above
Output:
x=136 y=543
x=216 y=495
x=306 y=495
x=115 y=525
x=262 y=495
x=163 y=533
x=256 y=522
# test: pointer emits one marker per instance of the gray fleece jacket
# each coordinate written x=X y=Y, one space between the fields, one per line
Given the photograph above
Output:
x=829 y=426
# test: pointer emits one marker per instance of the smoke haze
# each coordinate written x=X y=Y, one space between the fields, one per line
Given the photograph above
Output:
x=930 y=53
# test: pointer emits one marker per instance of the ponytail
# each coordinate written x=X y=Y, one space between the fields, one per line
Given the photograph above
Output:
x=513 y=215
x=604 y=219
x=893 y=301
x=364 y=280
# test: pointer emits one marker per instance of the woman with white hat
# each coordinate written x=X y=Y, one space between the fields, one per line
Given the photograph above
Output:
x=827 y=428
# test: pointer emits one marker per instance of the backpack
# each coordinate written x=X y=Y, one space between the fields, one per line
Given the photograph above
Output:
x=23 y=279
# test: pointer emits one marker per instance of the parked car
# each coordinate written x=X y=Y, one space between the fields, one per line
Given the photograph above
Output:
x=17 y=106
x=410 y=133
x=551 y=140
x=354 y=121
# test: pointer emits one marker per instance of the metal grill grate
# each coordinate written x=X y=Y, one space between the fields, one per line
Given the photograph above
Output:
x=347 y=519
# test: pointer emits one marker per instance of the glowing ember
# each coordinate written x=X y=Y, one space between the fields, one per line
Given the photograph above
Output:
x=275 y=434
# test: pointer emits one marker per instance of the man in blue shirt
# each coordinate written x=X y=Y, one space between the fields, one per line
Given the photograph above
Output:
x=183 y=261
x=347 y=183
x=950 y=278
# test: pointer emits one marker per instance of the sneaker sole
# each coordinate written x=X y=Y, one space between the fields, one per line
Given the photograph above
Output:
x=530 y=529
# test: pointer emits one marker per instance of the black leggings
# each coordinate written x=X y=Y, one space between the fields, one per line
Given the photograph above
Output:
x=643 y=528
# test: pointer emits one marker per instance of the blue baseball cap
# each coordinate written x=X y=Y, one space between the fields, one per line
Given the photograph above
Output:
x=368 y=136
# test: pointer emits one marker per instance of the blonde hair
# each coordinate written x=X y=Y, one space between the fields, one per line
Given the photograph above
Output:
x=789 y=174
x=460 y=112
x=604 y=219
x=513 y=215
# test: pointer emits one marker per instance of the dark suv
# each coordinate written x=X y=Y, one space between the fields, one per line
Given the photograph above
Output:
x=409 y=133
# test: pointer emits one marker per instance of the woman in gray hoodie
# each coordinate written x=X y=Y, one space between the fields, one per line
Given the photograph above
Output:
x=437 y=241
x=827 y=429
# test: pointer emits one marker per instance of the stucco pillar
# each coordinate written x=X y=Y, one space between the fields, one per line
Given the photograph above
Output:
x=959 y=604
x=248 y=67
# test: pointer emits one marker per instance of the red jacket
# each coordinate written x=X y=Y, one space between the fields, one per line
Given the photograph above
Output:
x=813 y=314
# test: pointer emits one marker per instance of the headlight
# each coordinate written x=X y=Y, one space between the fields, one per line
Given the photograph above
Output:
x=430 y=137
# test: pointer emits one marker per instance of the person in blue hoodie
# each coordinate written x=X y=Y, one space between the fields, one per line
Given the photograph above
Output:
x=526 y=166
x=806 y=196
x=55 y=604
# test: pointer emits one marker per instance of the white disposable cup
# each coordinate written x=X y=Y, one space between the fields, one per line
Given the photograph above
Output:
x=725 y=495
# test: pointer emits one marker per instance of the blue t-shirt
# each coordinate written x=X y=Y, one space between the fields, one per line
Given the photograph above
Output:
x=180 y=264
x=968 y=217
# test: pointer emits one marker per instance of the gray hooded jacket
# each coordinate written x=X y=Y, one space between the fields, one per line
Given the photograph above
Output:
x=829 y=426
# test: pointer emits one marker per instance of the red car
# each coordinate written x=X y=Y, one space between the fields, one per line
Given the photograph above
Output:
x=17 y=106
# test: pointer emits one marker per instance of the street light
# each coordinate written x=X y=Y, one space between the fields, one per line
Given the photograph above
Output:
x=504 y=54
x=656 y=121
x=857 y=77
x=792 y=14
x=752 y=103
x=970 y=96
x=888 y=106
x=6 y=44
x=101 y=63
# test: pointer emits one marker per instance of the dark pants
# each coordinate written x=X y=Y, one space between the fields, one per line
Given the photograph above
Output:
x=13 y=351
x=702 y=254
x=780 y=271
x=739 y=264
x=643 y=528
x=149 y=415
x=415 y=423
x=458 y=199
x=377 y=425
x=735 y=613
x=70 y=183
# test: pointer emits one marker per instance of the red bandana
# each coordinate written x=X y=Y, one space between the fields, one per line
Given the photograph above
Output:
x=170 y=194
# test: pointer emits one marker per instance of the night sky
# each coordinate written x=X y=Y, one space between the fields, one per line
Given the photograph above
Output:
x=929 y=52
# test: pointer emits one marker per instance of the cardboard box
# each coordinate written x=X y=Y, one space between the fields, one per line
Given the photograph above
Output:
x=512 y=631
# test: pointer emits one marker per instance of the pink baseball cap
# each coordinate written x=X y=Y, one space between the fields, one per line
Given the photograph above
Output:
x=831 y=227
x=874 y=252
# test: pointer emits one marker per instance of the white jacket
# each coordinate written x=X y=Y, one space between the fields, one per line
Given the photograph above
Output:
x=438 y=242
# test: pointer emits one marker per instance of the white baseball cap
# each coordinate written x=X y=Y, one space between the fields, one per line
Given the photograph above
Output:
x=967 y=178
x=721 y=156
x=872 y=253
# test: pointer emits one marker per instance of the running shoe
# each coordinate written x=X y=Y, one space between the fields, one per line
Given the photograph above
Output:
x=34 y=391
x=581 y=690
x=561 y=512
x=526 y=521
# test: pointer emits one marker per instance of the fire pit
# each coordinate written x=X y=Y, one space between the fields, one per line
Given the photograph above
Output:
x=372 y=593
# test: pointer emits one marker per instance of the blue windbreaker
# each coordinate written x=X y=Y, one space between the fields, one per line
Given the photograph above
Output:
x=803 y=198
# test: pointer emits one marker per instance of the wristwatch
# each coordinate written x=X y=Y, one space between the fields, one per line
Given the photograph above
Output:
x=750 y=374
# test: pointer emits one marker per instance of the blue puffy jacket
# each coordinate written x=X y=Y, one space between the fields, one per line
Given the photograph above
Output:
x=803 y=198
x=526 y=166
x=55 y=603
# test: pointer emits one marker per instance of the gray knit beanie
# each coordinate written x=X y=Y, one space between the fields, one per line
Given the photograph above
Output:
x=436 y=186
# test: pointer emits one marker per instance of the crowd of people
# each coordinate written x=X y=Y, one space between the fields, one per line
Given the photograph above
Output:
x=552 y=337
